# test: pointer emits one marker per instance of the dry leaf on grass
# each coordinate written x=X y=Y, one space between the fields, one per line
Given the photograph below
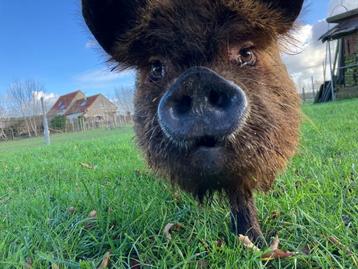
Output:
x=105 y=261
x=88 y=166
x=275 y=243
x=273 y=254
x=92 y=214
x=277 y=254
x=91 y=221
x=171 y=227
x=245 y=240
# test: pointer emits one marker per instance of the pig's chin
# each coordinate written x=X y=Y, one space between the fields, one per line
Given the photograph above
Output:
x=204 y=156
x=207 y=160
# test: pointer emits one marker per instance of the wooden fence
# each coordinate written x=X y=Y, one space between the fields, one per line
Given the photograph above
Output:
x=82 y=124
x=17 y=128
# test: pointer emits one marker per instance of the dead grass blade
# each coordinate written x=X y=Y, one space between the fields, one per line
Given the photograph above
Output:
x=169 y=228
x=106 y=260
x=88 y=166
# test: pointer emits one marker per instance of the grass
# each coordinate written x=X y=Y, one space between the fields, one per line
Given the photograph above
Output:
x=47 y=193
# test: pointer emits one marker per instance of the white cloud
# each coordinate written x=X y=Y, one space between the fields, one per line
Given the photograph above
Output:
x=308 y=55
x=47 y=96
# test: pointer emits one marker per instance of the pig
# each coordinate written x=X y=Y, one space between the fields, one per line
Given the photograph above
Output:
x=215 y=108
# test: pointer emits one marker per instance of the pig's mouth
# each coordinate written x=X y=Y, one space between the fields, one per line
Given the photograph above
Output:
x=206 y=155
x=207 y=142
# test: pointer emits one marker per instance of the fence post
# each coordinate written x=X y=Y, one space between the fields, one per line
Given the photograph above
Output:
x=313 y=88
x=45 y=123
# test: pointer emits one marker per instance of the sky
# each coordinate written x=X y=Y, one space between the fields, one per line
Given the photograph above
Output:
x=48 y=41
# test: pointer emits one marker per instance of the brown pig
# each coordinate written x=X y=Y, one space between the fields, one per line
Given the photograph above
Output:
x=215 y=109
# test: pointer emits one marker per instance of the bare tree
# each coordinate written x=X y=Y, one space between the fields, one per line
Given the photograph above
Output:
x=25 y=100
x=124 y=100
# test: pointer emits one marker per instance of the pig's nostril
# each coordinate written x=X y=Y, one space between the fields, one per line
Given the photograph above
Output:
x=183 y=105
x=218 y=100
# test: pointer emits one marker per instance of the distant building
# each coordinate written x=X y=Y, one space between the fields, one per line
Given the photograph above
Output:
x=95 y=107
x=64 y=103
x=76 y=106
x=344 y=65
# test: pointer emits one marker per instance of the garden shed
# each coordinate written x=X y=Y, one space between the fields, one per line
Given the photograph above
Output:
x=343 y=64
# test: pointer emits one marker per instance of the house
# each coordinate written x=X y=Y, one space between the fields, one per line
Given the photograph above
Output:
x=64 y=103
x=96 y=107
x=76 y=105
x=344 y=65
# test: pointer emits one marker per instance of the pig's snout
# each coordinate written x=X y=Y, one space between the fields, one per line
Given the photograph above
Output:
x=201 y=104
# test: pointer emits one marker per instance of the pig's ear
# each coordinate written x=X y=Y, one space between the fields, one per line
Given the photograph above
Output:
x=290 y=9
x=109 y=20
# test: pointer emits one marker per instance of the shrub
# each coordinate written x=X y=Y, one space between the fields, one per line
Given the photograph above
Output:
x=58 y=123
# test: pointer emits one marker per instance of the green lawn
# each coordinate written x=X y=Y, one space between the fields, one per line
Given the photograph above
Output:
x=47 y=193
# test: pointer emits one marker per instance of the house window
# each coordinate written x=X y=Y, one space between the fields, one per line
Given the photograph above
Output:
x=61 y=106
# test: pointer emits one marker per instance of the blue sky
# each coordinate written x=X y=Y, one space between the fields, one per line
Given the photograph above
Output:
x=48 y=41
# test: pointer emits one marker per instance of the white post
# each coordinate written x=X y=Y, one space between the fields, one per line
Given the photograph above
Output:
x=45 y=123
x=313 y=88
x=331 y=69
x=303 y=94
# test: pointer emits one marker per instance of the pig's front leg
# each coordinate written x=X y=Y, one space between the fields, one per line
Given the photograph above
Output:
x=244 y=217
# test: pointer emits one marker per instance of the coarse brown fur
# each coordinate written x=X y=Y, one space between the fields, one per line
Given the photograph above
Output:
x=186 y=33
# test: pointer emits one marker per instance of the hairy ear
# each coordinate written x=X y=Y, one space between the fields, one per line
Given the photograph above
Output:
x=290 y=9
x=110 y=20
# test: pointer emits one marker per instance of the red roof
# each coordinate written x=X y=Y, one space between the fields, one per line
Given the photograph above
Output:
x=81 y=106
x=64 y=102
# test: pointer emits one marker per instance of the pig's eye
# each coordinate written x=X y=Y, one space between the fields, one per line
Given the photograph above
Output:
x=157 y=71
x=247 y=57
